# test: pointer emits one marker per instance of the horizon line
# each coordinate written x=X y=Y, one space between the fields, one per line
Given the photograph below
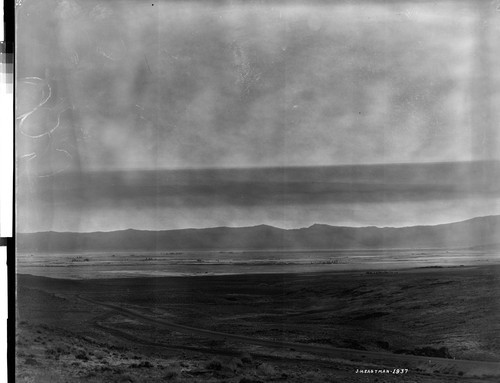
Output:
x=254 y=226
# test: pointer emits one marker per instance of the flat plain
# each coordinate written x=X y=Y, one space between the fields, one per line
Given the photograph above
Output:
x=427 y=324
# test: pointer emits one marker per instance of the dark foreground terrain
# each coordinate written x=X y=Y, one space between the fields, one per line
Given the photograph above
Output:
x=433 y=324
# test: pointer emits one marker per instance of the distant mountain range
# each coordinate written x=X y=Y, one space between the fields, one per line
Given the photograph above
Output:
x=482 y=232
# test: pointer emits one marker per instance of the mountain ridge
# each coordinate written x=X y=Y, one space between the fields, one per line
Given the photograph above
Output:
x=257 y=226
x=478 y=231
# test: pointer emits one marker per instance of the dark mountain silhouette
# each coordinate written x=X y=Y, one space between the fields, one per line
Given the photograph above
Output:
x=476 y=232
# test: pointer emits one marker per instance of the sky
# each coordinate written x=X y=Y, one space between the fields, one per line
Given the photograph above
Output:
x=195 y=114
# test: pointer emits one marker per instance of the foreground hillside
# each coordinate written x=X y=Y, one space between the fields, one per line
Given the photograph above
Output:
x=434 y=324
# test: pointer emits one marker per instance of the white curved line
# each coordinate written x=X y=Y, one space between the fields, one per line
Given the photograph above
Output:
x=31 y=155
x=61 y=170
x=33 y=78
x=66 y=152
x=23 y=116
x=54 y=173
x=49 y=132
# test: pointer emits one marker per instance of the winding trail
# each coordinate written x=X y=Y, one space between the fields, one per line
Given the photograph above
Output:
x=466 y=366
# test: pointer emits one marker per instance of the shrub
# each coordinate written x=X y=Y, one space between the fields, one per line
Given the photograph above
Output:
x=81 y=354
x=171 y=374
x=100 y=355
x=247 y=380
x=383 y=344
x=214 y=364
x=313 y=376
x=145 y=364
x=235 y=363
x=246 y=358
x=125 y=378
x=50 y=351
x=31 y=362
x=265 y=369
x=62 y=350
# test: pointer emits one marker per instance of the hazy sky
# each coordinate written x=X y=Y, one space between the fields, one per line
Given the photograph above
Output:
x=384 y=195
x=129 y=90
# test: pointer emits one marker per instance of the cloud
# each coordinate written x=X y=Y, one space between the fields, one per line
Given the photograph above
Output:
x=279 y=192
x=263 y=85
x=271 y=186
x=136 y=91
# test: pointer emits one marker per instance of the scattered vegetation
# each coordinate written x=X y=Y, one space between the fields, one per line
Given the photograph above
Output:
x=441 y=352
x=171 y=373
x=265 y=369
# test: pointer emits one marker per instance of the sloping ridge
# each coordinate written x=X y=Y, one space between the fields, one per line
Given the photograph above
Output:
x=476 y=232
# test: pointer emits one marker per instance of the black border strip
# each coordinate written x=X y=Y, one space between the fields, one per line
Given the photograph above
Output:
x=11 y=309
x=11 y=319
x=7 y=48
x=9 y=28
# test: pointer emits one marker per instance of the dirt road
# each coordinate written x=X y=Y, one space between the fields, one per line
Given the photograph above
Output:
x=465 y=367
